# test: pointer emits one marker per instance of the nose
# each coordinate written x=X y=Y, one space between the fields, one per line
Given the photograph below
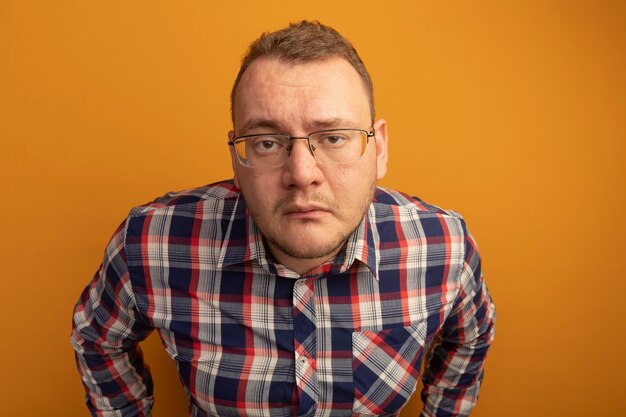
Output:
x=301 y=169
x=304 y=139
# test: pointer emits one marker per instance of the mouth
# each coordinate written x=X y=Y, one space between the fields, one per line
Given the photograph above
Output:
x=306 y=212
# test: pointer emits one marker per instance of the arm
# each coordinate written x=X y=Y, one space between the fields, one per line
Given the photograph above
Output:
x=454 y=370
x=106 y=331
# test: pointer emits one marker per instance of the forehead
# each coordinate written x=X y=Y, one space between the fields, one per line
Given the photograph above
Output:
x=296 y=95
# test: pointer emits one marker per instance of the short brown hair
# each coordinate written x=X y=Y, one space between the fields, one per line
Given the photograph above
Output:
x=300 y=43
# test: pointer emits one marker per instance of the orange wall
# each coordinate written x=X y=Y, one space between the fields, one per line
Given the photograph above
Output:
x=510 y=112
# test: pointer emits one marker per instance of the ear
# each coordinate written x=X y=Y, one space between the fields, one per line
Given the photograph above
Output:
x=380 y=127
x=233 y=158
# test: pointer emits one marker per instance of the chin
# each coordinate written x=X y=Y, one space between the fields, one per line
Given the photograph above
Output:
x=309 y=248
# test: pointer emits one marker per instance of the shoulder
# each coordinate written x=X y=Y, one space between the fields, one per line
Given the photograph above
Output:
x=216 y=194
x=191 y=213
x=386 y=199
x=413 y=212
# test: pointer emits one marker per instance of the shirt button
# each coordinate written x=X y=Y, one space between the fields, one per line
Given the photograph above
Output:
x=302 y=361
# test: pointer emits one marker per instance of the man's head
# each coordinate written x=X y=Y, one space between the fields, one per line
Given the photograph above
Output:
x=306 y=206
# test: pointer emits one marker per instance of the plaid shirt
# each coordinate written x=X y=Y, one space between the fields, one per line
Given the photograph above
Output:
x=252 y=338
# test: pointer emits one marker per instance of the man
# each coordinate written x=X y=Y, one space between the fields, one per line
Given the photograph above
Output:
x=298 y=288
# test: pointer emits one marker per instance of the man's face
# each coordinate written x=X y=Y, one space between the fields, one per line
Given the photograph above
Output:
x=304 y=209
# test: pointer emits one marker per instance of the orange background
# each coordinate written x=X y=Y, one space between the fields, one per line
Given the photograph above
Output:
x=512 y=113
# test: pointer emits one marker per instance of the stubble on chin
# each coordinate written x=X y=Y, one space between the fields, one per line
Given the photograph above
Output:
x=302 y=247
x=299 y=248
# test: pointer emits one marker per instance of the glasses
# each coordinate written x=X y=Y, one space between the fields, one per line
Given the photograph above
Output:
x=333 y=146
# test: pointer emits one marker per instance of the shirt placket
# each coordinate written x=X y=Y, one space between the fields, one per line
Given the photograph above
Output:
x=305 y=346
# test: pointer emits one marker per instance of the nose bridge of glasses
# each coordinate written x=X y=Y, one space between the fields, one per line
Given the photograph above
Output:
x=310 y=146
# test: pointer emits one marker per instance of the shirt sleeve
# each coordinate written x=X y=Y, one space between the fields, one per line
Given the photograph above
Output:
x=107 y=328
x=454 y=369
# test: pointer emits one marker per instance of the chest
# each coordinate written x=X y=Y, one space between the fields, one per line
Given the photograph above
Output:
x=347 y=344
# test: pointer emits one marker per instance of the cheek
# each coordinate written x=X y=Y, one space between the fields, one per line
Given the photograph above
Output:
x=259 y=190
x=352 y=187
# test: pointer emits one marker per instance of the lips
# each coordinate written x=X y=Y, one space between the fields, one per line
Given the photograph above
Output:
x=305 y=211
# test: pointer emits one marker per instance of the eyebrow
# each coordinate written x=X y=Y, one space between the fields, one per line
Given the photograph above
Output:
x=259 y=123
x=334 y=122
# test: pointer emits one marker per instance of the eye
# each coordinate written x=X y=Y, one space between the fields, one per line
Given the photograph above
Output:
x=333 y=139
x=266 y=144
